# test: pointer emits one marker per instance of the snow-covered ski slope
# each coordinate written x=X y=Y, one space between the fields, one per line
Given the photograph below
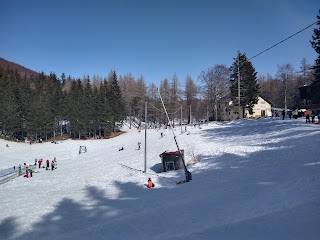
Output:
x=256 y=179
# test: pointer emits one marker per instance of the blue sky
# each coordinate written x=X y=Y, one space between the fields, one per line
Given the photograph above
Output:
x=153 y=38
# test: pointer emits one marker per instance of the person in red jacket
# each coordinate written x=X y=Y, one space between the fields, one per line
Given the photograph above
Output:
x=150 y=183
x=39 y=162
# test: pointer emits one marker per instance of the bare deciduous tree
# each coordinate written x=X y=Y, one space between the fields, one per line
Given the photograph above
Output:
x=306 y=73
x=289 y=84
x=270 y=88
x=190 y=95
x=174 y=98
x=214 y=85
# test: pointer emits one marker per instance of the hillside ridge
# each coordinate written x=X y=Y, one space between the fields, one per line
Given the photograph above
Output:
x=5 y=64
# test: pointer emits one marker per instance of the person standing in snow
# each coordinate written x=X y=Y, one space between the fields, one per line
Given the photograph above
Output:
x=283 y=114
x=150 y=183
x=39 y=162
x=312 y=117
x=55 y=163
x=48 y=165
x=27 y=171
x=307 y=118
x=30 y=170
x=52 y=165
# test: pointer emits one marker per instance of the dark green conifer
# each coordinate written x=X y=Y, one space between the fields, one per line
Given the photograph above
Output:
x=315 y=85
x=249 y=88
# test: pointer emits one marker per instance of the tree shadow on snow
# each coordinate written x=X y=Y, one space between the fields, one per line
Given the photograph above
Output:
x=246 y=127
x=241 y=186
x=7 y=228
x=96 y=216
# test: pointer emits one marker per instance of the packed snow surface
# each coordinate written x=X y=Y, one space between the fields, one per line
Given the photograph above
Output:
x=252 y=179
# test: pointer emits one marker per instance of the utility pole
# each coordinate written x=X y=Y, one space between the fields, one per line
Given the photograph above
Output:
x=239 y=85
x=61 y=129
x=145 y=138
x=285 y=93
x=181 y=118
x=186 y=172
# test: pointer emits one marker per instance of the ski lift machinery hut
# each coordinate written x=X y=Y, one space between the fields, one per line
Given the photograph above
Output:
x=171 y=160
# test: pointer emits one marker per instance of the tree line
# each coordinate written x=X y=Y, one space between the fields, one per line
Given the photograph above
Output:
x=45 y=106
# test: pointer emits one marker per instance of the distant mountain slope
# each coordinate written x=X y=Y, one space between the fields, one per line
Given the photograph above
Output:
x=5 y=64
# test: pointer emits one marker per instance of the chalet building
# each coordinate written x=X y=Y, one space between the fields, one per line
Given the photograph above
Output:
x=228 y=112
x=261 y=109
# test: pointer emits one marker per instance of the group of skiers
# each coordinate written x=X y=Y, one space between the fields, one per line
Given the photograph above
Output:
x=29 y=170
x=311 y=119
x=53 y=164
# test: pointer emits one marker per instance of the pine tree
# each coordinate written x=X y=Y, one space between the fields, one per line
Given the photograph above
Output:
x=249 y=87
x=116 y=102
x=104 y=110
x=96 y=108
x=10 y=114
x=2 y=91
x=57 y=102
x=39 y=114
x=315 y=85
x=75 y=114
x=88 y=107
